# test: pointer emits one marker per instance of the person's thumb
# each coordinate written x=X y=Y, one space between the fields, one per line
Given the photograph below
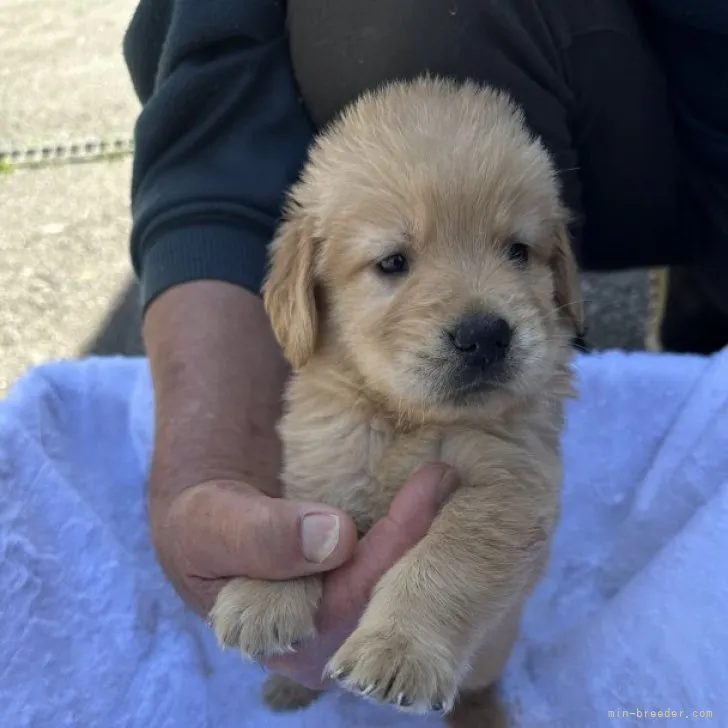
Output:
x=228 y=529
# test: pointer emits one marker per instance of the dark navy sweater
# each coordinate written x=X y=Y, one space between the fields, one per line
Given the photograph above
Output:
x=222 y=133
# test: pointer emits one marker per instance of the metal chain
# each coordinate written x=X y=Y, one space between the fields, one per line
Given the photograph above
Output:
x=67 y=152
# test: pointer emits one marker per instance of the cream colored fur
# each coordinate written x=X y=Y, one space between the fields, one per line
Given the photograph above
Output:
x=448 y=175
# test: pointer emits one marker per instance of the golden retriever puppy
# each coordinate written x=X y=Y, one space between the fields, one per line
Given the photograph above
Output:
x=423 y=288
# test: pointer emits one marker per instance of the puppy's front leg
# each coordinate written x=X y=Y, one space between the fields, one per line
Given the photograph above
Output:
x=436 y=605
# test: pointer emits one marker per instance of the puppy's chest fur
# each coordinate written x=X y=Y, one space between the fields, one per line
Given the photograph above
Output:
x=351 y=464
x=351 y=459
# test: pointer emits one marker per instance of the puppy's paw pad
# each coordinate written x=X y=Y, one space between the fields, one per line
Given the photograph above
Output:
x=390 y=668
x=265 y=617
x=283 y=695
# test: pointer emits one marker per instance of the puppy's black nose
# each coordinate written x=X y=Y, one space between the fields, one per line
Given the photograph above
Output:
x=481 y=341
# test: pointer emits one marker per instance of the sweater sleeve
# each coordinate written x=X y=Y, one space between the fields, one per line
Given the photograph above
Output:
x=220 y=137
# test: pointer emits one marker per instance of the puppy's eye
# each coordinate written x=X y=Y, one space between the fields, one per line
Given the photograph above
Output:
x=393 y=265
x=518 y=253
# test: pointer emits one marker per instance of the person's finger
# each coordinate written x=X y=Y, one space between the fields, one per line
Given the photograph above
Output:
x=407 y=522
x=230 y=530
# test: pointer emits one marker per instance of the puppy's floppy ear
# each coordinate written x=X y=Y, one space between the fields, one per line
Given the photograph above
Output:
x=289 y=290
x=567 y=291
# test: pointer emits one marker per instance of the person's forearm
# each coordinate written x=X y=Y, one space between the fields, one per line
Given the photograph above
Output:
x=218 y=374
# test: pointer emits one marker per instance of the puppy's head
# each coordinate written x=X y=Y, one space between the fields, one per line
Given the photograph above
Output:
x=426 y=246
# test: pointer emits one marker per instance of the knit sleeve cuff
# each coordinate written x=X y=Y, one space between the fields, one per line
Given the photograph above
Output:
x=203 y=251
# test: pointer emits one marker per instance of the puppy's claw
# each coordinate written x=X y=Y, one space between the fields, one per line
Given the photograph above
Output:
x=283 y=650
x=443 y=706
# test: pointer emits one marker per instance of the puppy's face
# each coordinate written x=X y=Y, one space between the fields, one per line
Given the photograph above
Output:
x=426 y=245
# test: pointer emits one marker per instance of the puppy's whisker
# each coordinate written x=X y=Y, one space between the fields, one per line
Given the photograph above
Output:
x=556 y=309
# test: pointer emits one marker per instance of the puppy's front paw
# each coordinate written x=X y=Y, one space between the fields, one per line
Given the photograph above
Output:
x=389 y=666
x=266 y=617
